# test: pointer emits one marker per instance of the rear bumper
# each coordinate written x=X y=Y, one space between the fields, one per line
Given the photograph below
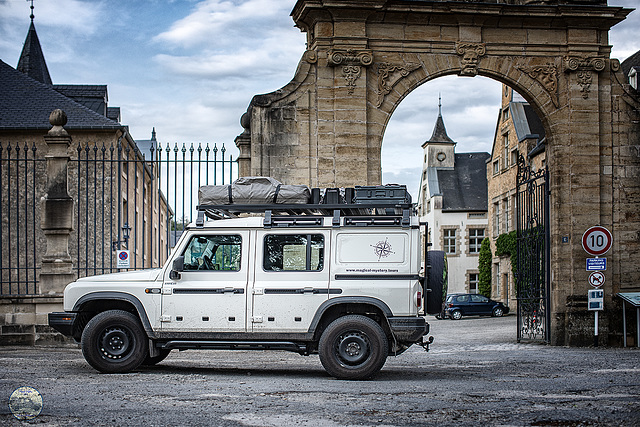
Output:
x=62 y=322
x=408 y=329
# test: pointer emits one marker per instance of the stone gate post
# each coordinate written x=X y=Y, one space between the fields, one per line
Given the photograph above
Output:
x=57 y=210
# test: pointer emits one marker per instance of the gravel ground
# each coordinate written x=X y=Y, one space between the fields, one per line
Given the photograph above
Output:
x=474 y=374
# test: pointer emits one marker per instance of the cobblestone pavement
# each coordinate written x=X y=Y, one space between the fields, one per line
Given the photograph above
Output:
x=474 y=374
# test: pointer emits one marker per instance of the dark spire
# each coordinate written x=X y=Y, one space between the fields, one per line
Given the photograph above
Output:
x=439 y=132
x=153 y=134
x=32 y=61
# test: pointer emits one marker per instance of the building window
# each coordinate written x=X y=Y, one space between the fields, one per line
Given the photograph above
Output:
x=496 y=274
x=505 y=114
x=505 y=154
x=449 y=240
x=474 y=278
x=514 y=157
x=507 y=215
x=496 y=167
x=496 y=219
x=476 y=235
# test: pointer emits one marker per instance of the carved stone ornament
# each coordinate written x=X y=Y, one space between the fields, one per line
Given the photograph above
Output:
x=470 y=53
x=351 y=74
x=350 y=57
x=547 y=76
x=351 y=61
x=584 y=80
x=311 y=56
x=584 y=68
x=389 y=75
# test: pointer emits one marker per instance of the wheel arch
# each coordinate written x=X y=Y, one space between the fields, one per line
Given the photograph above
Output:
x=91 y=304
x=334 y=308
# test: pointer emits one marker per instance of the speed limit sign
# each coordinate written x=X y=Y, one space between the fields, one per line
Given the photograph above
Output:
x=597 y=240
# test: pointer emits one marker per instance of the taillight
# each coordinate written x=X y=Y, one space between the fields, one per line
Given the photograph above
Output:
x=450 y=305
x=419 y=299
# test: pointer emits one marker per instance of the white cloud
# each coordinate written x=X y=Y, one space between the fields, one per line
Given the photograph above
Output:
x=216 y=20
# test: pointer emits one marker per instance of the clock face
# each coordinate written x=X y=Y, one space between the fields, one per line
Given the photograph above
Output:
x=441 y=156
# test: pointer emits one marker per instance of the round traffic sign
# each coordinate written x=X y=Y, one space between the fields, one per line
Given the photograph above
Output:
x=596 y=279
x=597 y=240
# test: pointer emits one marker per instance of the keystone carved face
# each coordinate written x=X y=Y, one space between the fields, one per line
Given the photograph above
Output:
x=471 y=53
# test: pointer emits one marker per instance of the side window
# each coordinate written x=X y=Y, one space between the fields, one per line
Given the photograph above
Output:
x=293 y=252
x=479 y=298
x=463 y=298
x=211 y=252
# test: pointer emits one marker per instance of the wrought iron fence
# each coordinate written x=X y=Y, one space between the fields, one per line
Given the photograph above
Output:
x=21 y=239
x=116 y=188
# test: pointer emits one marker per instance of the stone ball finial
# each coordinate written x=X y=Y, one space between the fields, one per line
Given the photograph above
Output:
x=58 y=119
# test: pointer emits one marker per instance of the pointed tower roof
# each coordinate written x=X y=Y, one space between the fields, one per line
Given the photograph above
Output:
x=32 y=61
x=439 y=134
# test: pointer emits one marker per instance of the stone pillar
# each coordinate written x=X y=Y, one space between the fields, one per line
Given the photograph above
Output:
x=243 y=142
x=57 y=210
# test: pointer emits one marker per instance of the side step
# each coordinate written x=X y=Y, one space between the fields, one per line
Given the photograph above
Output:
x=236 y=345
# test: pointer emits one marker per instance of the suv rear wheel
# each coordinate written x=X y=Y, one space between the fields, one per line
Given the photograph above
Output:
x=456 y=315
x=353 y=347
x=114 y=341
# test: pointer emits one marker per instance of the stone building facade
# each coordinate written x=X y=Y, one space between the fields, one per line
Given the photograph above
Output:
x=519 y=132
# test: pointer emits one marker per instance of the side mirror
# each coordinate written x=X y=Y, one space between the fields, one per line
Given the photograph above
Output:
x=176 y=268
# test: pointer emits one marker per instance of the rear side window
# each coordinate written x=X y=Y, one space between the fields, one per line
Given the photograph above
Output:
x=213 y=252
x=463 y=298
x=293 y=252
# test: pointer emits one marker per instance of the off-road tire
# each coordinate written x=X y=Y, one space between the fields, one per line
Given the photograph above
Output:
x=114 y=341
x=353 y=347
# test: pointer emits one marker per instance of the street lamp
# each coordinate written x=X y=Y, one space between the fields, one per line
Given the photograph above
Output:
x=126 y=229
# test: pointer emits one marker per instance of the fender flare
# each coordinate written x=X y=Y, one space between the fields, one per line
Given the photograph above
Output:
x=120 y=296
x=347 y=300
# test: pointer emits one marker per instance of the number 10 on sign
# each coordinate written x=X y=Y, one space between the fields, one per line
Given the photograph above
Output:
x=597 y=241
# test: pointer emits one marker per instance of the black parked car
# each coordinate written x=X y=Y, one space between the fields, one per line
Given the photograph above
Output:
x=458 y=305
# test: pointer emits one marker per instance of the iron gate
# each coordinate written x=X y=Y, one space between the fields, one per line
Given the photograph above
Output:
x=532 y=273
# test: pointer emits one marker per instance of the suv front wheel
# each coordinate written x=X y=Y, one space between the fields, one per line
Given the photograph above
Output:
x=114 y=341
x=353 y=347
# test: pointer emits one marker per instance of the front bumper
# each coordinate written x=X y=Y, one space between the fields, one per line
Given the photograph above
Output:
x=63 y=322
x=408 y=329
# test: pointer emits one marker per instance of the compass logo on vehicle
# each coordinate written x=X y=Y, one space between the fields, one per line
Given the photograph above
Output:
x=382 y=249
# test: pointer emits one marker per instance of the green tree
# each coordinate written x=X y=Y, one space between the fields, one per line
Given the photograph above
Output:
x=484 y=266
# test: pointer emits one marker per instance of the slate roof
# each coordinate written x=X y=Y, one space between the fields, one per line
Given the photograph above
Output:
x=439 y=134
x=26 y=104
x=464 y=188
x=32 y=61
x=632 y=61
x=526 y=122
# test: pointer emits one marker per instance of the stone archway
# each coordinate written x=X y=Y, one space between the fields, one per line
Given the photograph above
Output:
x=325 y=128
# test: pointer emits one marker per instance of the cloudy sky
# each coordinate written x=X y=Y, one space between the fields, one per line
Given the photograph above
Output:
x=189 y=68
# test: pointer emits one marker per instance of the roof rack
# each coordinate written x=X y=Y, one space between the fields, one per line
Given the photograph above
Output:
x=372 y=213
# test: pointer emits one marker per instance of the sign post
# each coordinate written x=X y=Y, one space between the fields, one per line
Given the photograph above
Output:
x=596 y=241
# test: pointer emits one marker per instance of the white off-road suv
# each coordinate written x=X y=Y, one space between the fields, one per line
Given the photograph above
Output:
x=338 y=279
